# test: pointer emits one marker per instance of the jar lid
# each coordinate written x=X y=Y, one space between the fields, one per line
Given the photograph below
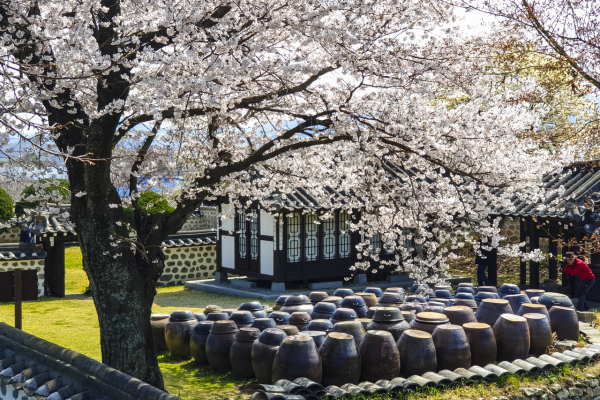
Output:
x=251 y=306
x=181 y=315
x=289 y=329
x=323 y=307
x=217 y=316
x=318 y=296
x=212 y=309
x=353 y=302
x=313 y=333
x=280 y=317
x=200 y=316
x=203 y=328
x=281 y=299
x=224 y=327
x=272 y=336
x=509 y=288
x=344 y=314
x=242 y=317
x=390 y=297
x=429 y=316
x=247 y=334
x=299 y=317
x=387 y=314
x=297 y=300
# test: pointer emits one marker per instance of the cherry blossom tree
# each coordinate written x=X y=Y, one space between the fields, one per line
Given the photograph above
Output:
x=379 y=100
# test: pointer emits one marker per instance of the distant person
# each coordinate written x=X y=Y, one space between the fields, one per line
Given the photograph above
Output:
x=575 y=266
x=482 y=264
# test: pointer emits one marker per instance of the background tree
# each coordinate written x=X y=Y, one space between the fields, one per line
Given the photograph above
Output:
x=42 y=192
x=251 y=99
x=6 y=206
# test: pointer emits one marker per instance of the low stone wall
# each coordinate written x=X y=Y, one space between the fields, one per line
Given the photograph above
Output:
x=12 y=236
x=577 y=389
x=188 y=263
x=37 y=264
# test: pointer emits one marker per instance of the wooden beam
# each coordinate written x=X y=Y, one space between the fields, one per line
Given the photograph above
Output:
x=18 y=298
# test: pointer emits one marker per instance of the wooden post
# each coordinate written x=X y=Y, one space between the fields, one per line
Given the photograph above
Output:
x=493 y=267
x=522 y=239
x=534 y=266
x=18 y=299
x=554 y=249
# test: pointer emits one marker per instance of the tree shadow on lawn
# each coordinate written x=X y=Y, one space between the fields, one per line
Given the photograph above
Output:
x=179 y=297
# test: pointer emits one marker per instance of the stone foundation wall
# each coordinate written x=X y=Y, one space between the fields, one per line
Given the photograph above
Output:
x=510 y=229
x=208 y=221
x=38 y=265
x=188 y=263
x=586 y=388
x=12 y=236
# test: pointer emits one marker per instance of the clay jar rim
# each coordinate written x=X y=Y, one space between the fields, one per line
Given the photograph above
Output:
x=251 y=306
x=272 y=336
x=512 y=318
x=397 y=290
x=390 y=297
x=464 y=296
x=476 y=326
x=431 y=317
x=340 y=336
x=242 y=317
x=293 y=328
x=247 y=334
x=458 y=308
x=375 y=333
x=318 y=295
x=281 y=299
x=297 y=300
x=535 y=316
x=181 y=316
x=443 y=294
x=375 y=290
x=494 y=301
x=226 y=326
x=355 y=302
x=349 y=292
x=313 y=333
x=448 y=327
x=203 y=328
x=298 y=338
x=509 y=288
x=388 y=314
x=158 y=317
x=331 y=299
x=216 y=316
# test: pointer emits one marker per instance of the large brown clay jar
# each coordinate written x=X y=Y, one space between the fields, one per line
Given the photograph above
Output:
x=516 y=300
x=340 y=358
x=178 y=332
x=218 y=344
x=491 y=309
x=369 y=298
x=417 y=353
x=297 y=357
x=451 y=347
x=540 y=334
x=564 y=322
x=482 y=343
x=263 y=353
x=352 y=328
x=198 y=341
x=428 y=321
x=158 y=323
x=240 y=354
x=512 y=337
x=530 y=308
x=379 y=357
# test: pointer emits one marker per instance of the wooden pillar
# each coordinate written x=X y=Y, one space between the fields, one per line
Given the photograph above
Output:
x=493 y=267
x=522 y=239
x=553 y=262
x=54 y=269
x=534 y=266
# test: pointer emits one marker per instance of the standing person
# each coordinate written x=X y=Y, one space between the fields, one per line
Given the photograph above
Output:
x=587 y=279
x=482 y=264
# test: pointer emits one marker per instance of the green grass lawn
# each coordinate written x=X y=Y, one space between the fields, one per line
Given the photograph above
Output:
x=72 y=322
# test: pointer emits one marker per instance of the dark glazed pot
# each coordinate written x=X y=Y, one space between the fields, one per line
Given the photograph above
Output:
x=217 y=316
x=334 y=300
x=465 y=289
x=398 y=290
x=555 y=299
x=372 y=310
x=534 y=292
x=300 y=320
x=178 y=332
x=466 y=296
x=229 y=311
x=263 y=353
x=340 y=358
x=512 y=337
x=466 y=284
x=280 y=317
x=416 y=298
x=263 y=323
x=218 y=344
x=280 y=302
x=317 y=336
x=316 y=297
x=531 y=308
x=242 y=319
x=564 y=322
x=379 y=357
x=540 y=334
x=375 y=290
x=417 y=353
x=485 y=295
x=387 y=315
x=343 y=292
x=343 y=314
x=428 y=321
x=200 y=317
x=158 y=323
x=240 y=354
x=391 y=297
x=357 y=304
x=297 y=303
x=490 y=310
x=369 y=298
x=198 y=341
x=323 y=310
x=444 y=287
x=395 y=328
x=251 y=306
x=352 y=328
x=507 y=289
x=482 y=343
x=297 y=357
x=460 y=315
x=289 y=330
x=487 y=289
x=451 y=347
x=465 y=302
x=212 y=309
x=323 y=325
x=416 y=307
x=516 y=300
x=408 y=315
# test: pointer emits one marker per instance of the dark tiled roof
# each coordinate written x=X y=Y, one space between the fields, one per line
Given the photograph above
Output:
x=45 y=224
x=16 y=251
x=191 y=238
x=579 y=185
x=37 y=368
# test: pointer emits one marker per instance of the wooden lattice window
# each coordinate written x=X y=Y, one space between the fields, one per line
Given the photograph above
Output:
x=311 y=238
x=344 y=240
x=243 y=249
x=329 y=252
x=254 y=236
x=293 y=238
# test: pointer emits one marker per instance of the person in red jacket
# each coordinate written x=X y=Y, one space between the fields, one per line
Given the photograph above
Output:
x=587 y=279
